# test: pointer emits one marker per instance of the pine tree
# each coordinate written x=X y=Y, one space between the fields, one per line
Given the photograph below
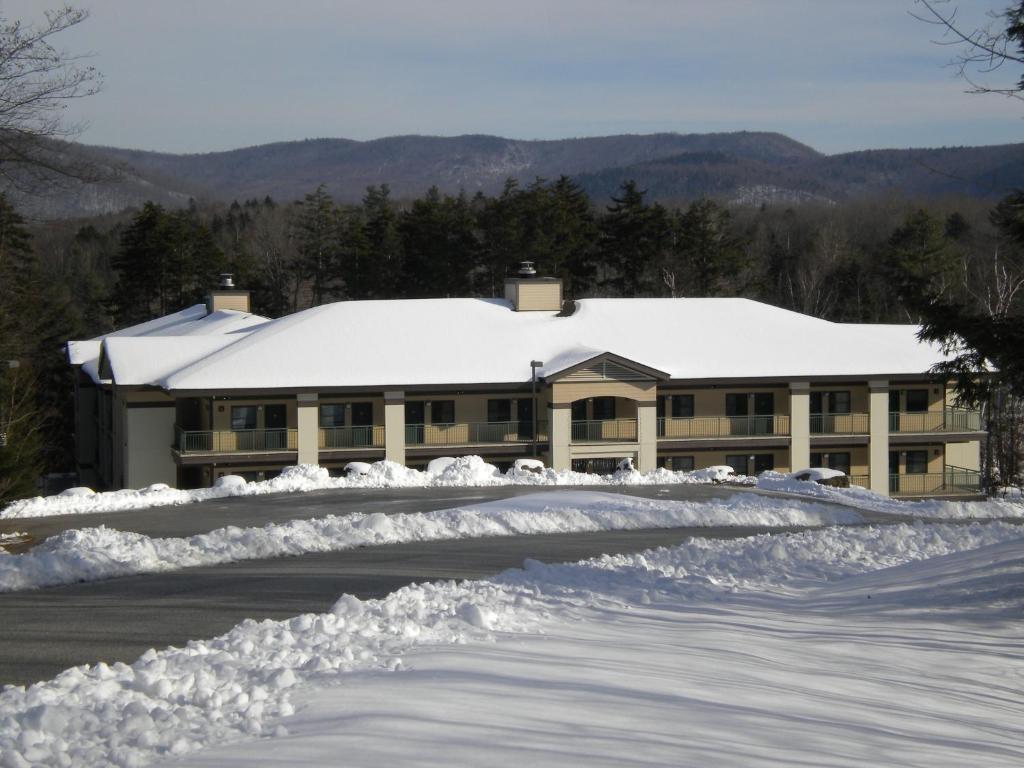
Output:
x=317 y=239
x=633 y=237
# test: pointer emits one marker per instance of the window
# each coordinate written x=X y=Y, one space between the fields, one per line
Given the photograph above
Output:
x=917 y=462
x=738 y=463
x=604 y=408
x=499 y=411
x=682 y=463
x=579 y=410
x=817 y=402
x=414 y=412
x=243 y=417
x=362 y=414
x=839 y=402
x=763 y=462
x=736 y=405
x=332 y=415
x=682 y=406
x=835 y=402
x=916 y=400
x=839 y=461
x=442 y=412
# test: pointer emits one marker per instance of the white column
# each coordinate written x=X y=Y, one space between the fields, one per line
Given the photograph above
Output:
x=394 y=426
x=647 y=435
x=878 y=447
x=307 y=423
x=799 y=425
x=560 y=426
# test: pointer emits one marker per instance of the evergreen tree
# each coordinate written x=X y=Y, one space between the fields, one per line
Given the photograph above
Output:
x=633 y=236
x=318 y=240
x=378 y=246
x=707 y=258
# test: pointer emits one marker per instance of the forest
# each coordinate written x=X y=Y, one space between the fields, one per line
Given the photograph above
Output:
x=868 y=260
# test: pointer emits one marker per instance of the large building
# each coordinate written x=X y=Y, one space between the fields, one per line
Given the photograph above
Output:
x=679 y=383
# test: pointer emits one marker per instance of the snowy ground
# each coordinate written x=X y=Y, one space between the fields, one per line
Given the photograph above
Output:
x=474 y=471
x=839 y=646
x=90 y=554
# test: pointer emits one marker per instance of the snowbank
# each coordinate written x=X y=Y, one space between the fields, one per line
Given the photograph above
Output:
x=862 y=498
x=177 y=701
x=463 y=471
x=90 y=554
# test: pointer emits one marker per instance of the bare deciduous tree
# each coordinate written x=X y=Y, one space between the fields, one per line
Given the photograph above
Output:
x=37 y=81
x=983 y=50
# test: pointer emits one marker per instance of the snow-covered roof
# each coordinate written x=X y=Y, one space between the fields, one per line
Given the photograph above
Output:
x=396 y=343
x=144 y=363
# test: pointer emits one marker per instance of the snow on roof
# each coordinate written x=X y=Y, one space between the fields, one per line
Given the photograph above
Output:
x=190 y=322
x=477 y=341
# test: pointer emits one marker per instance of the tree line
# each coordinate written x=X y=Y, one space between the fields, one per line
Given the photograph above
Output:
x=858 y=261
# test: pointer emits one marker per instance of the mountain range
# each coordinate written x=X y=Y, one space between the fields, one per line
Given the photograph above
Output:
x=740 y=167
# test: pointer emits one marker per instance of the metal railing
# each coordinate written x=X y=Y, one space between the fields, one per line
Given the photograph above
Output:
x=474 y=433
x=351 y=437
x=840 y=424
x=722 y=426
x=604 y=430
x=953 y=481
x=946 y=420
x=235 y=441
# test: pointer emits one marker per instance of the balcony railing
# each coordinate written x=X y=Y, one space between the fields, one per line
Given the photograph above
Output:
x=722 y=426
x=947 y=420
x=604 y=430
x=235 y=441
x=351 y=437
x=954 y=481
x=474 y=433
x=840 y=424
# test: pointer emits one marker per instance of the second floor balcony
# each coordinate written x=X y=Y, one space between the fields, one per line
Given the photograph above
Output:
x=946 y=420
x=195 y=441
x=604 y=430
x=703 y=427
x=475 y=433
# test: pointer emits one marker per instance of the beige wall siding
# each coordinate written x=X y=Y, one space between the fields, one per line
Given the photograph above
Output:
x=570 y=391
x=539 y=297
x=859 y=395
x=964 y=455
x=711 y=402
x=236 y=300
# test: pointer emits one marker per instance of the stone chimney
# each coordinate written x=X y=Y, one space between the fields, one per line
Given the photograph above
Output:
x=227 y=296
x=527 y=292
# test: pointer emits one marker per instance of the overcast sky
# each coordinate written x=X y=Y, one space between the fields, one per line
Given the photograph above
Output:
x=201 y=75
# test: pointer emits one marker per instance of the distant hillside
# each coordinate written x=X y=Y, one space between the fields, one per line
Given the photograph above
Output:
x=744 y=167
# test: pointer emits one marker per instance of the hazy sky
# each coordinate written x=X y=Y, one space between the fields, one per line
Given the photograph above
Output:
x=200 y=75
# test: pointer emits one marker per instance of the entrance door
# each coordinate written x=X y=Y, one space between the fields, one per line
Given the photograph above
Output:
x=275 y=424
x=524 y=415
x=764 y=413
x=414 y=418
x=362 y=423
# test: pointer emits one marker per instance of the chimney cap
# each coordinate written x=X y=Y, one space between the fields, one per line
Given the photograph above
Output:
x=227 y=281
x=526 y=269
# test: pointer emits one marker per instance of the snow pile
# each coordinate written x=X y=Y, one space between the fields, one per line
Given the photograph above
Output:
x=240 y=685
x=465 y=471
x=862 y=498
x=91 y=554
